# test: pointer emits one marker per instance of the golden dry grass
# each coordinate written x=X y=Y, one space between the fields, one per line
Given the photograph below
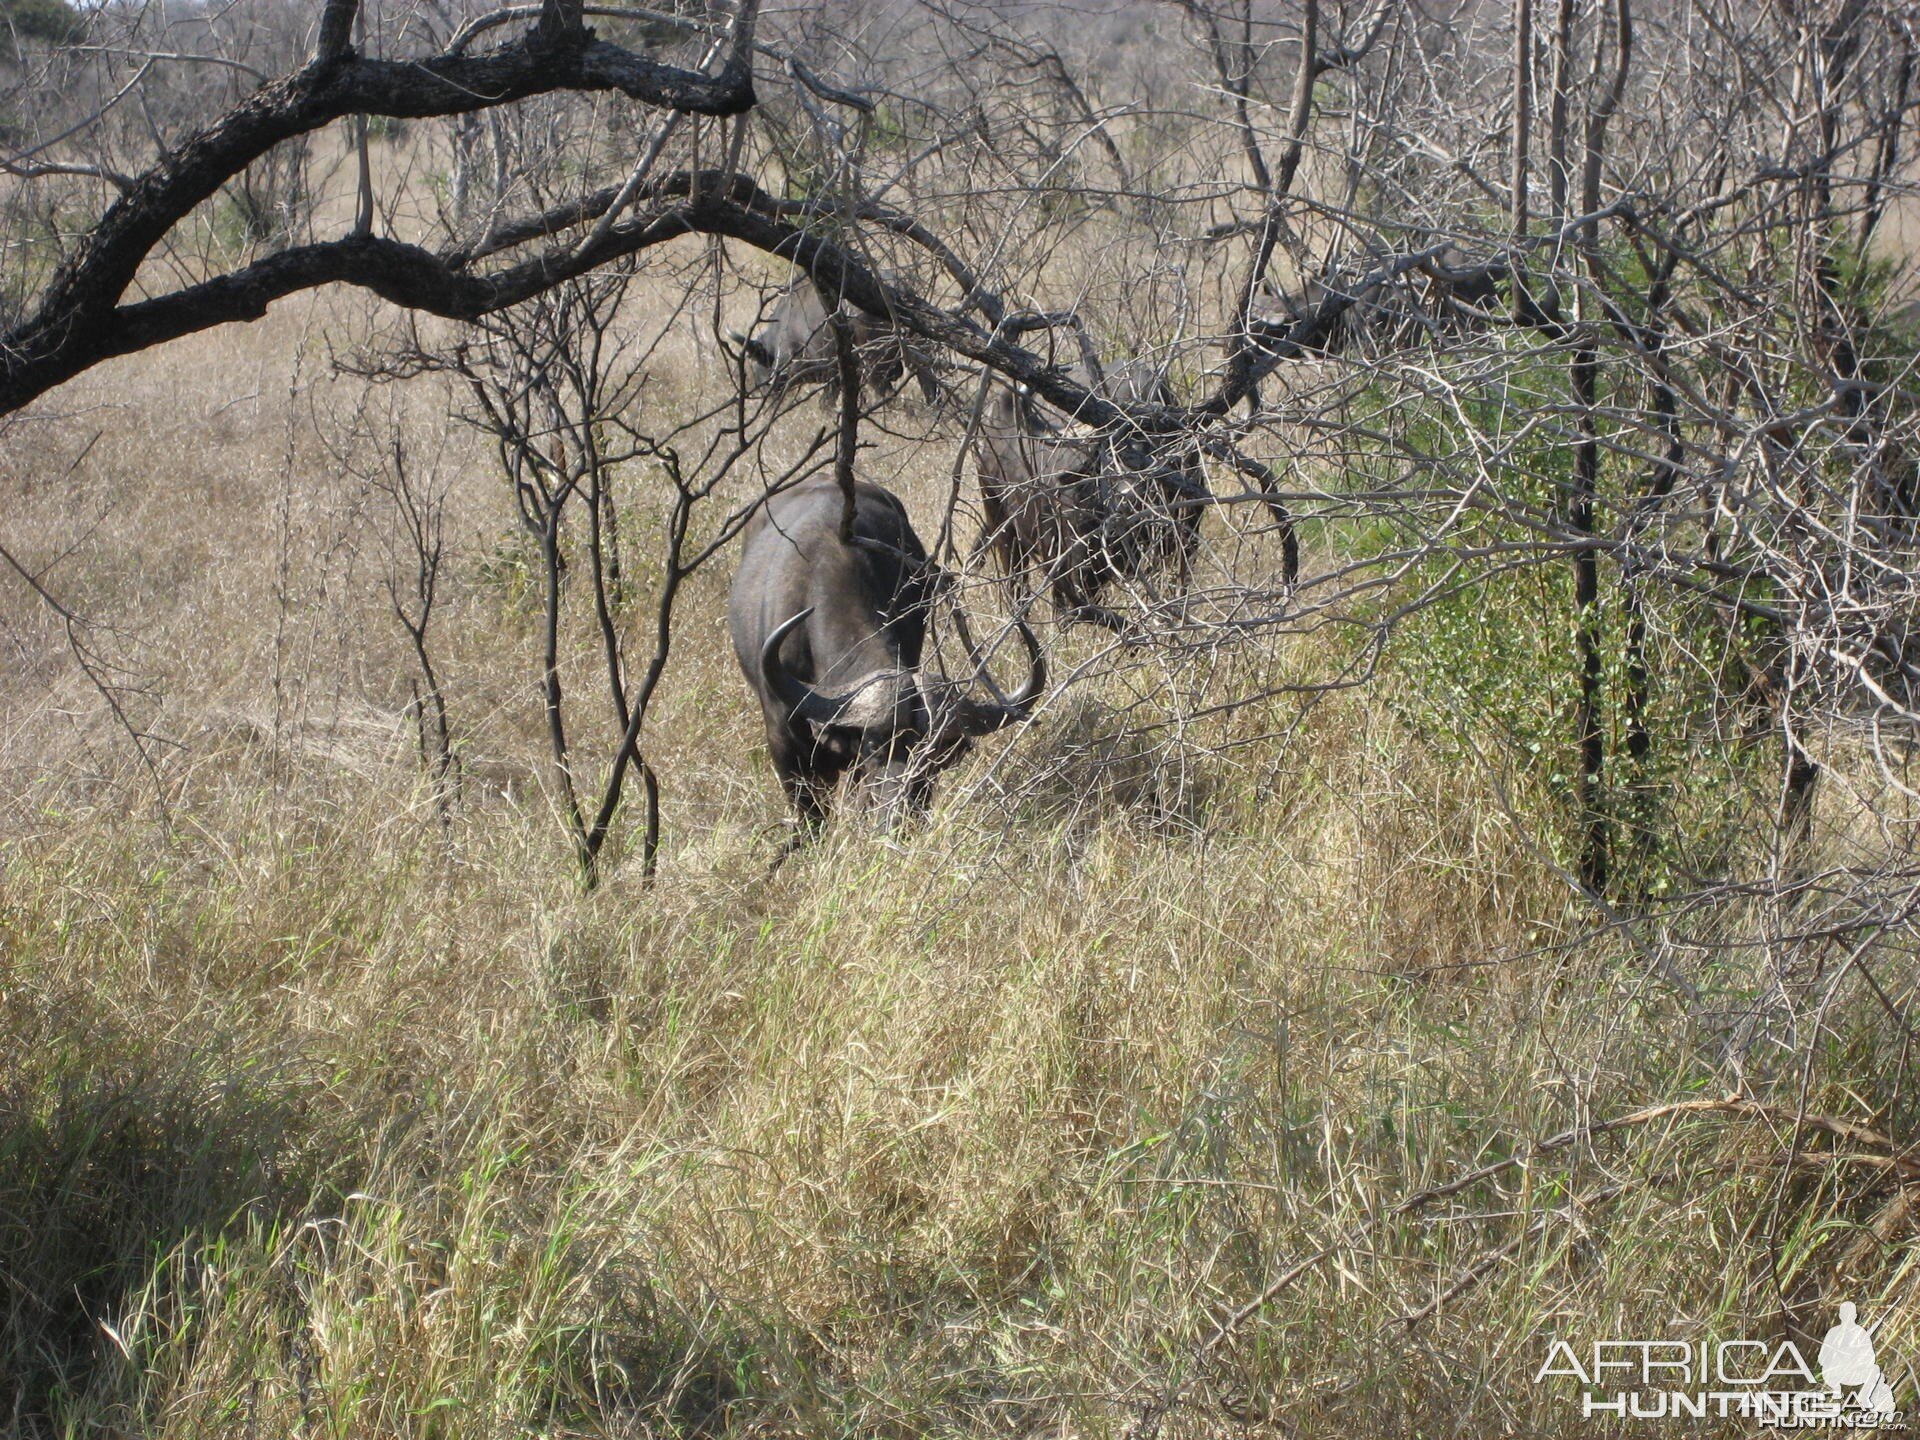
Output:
x=317 y=1118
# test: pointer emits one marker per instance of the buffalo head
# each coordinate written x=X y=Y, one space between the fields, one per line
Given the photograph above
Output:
x=829 y=629
x=793 y=346
x=1078 y=510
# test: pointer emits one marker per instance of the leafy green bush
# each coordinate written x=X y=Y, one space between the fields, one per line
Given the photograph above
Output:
x=52 y=22
x=1487 y=661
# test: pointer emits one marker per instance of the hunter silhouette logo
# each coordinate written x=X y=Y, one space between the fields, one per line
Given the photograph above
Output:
x=1770 y=1383
x=1847 y=1363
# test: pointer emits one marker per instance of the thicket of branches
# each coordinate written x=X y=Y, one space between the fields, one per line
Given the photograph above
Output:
x=1550 y=366
x=1570 y=334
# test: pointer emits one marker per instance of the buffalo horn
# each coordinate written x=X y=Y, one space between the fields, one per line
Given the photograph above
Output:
x=982 y=718
x=858 y=708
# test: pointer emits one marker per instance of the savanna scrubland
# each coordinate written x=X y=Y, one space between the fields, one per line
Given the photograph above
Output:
x=1347 y=983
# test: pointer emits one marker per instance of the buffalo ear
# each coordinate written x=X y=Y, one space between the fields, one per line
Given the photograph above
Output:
x=756 y=351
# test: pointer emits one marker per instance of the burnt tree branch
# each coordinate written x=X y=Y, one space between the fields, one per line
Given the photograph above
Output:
x=70 y=329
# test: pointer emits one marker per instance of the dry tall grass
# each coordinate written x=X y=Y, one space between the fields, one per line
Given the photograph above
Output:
x=320 y=1118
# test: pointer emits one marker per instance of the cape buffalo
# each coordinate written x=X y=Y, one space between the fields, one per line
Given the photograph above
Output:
x=1446 y=295
x=794 y=346
x=1378 y=317
x=1088 y=509
x=829 y=634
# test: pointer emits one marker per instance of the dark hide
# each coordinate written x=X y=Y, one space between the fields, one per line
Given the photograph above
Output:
x=1447 y=296
x=1075 y=513
x=829 y=635
x=794 y=346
